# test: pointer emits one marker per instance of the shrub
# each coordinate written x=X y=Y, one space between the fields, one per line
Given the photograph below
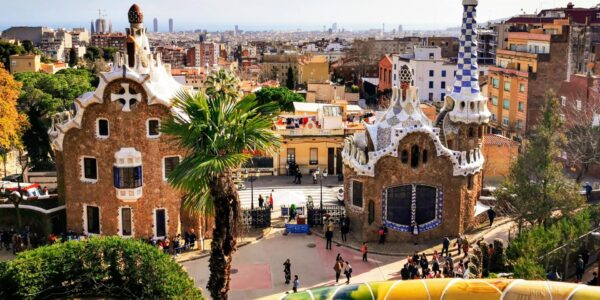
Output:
x=475 y=263
x=497 y=259
x=485 y=260
x=99 y=267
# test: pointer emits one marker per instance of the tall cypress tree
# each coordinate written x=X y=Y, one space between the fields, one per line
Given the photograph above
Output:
x=73 y=59
x=291 y=79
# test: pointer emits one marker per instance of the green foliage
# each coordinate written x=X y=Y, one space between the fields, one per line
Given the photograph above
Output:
x=73 y=59
x=7 y=49
x=43 y=95
x=290 y=82
x=92 y=53
x=100 y=267
x=109 y=52
x=525 y=251
x=497 y=263
x=222 y=84
x=536 y=187
x=485 y=260
x=280 y=95
x=475 y=263
x=354 y=89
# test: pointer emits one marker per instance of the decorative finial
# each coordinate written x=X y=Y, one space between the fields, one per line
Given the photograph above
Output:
x=135 y=15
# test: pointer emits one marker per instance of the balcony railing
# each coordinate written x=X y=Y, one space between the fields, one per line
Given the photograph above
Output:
x=311 y=132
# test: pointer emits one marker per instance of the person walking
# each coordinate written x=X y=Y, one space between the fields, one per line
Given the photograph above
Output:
x=314 y=176
x=271 y=199
x=339 y=265
x=364 y=251
x=465 y=246
x=329 y=234
x=348 y=272
x=261 y=201
x=382 y=232
x=491 y=215
x=296 y=284
x=458 y=243
x=445 y=246
x=579 y=268
x=299 y=176
x=344 y=228
x=287 y=270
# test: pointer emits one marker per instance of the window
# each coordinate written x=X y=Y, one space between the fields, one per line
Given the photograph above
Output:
x=443 y=73
x=169 y=165
x=404 y=156
x=291 y=155
x=578 y=104
x=126 y=221
x=521 y=106
x=90 y=168
x=507 y=86
x=522 y=87
x=314 y=156
x=495 y=83
x=431 y=84
x=424 y=156
x=430 y=96
x=153 y=128
x=506 y=104
x=443 y=84
x=563 y=100
x=92 y=219
x=443 y=95
x=470 y=182
x=128 y=177
x=470 y=132
x=505 y=121
x=426 y=204
x=494 y=101
x=160 y=222
x=357 y=193
x=102 y=128
x=371 y=216
x=493 y=117
x=414 y=156
x=520 y=124
x=431 y=73
x=398 y=208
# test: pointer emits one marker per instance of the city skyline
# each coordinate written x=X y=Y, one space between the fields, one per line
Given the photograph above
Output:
x=271 y=15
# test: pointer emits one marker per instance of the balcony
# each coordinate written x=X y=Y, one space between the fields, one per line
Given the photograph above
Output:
x=509 y=71
x=311 y=132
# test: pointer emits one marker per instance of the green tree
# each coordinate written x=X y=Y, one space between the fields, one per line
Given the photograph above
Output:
x=290 y=82
x=73 y=59
x=42 y=96
x=219 y=132
x=280 y=95
x=109 y=52
x=102 y=267
x=536 y=187
x=7 y=49
x=92 y=53
x=223 y=83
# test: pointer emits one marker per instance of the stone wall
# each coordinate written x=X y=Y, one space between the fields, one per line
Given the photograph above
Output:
x=127 y=129
x=458 y=200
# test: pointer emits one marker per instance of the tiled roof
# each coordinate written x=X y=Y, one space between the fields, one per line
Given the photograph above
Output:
x=498 y=140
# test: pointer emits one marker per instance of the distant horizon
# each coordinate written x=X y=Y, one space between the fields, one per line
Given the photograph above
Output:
x=260 y=15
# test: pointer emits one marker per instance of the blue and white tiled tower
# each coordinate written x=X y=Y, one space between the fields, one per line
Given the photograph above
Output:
x=470 y=106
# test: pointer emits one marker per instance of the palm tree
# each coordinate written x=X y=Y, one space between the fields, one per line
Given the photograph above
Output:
x=222 y=82
x=219 y=132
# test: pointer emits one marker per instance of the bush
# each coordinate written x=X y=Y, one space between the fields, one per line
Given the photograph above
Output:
x=497 y=259
x=485 y=260
x=99 y=267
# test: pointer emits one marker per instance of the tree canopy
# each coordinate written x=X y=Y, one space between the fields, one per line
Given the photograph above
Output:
x=42 y=96
x=280 y=95
x=11 y=121
x=7 y=49
x=536 y=187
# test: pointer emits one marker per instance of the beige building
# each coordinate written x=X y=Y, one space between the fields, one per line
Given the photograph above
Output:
x=24 y=63
x=330 y=93
x=275 y=66
x=313 y=69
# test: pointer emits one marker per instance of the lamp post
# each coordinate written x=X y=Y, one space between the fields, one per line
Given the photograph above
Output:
x=321 y=176
x=251 y=178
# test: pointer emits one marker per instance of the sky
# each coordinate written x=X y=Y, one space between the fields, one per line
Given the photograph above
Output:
x=267 y=14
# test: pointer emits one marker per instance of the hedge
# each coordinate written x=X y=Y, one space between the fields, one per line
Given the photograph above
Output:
x=98 y=267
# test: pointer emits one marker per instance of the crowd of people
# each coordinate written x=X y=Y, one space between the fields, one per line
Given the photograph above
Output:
x=175 y=245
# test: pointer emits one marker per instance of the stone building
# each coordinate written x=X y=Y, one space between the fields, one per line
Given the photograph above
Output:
x=421 y=179
x=112 y=159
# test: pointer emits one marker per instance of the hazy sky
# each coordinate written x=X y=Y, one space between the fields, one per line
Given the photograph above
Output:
x=253 y=14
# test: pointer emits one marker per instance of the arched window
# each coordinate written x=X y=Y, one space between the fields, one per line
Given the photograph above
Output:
x=414 y=156
x=404 y=156
x=424 y=156
x=471 y=132
x=480 y=132
x=470 y=182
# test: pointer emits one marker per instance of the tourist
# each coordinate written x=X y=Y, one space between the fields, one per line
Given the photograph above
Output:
x=271 y=200
x=287 y=270
x=45 y=191
x=260 y=201
x=594 y=281
x=424 y=263
x=465 y=246
x=314 y=175
x=404 y=272
x=382 y=232
x=435 y=264
x=553 y=275
x=339 y=258
x=345 y=228
x=292 y=212
x=190 y=239
x=446 y=270
x=458 y=243
x=437 y=274
x=415 y=257
x=364 y=251
x=329 y=234
x=491 y=215
x=445 y=245
x=296 y=283
x=579 y=268
x=588 y=191
x=338 y=269
x=348 y=272
x=460 y=270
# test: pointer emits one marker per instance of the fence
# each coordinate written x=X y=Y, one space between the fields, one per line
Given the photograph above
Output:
x=565 y=256
x=257 y=217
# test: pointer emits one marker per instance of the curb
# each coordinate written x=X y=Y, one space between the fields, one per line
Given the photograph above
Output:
x=403 y=254
x=206 y=253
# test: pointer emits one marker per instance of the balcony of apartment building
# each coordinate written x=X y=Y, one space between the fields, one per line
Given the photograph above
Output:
x=320 y=120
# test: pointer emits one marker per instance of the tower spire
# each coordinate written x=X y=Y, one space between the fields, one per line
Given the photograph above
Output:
x=470 y=106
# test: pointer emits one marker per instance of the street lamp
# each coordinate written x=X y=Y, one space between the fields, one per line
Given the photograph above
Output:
x=321 y=176
x=252 y=178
